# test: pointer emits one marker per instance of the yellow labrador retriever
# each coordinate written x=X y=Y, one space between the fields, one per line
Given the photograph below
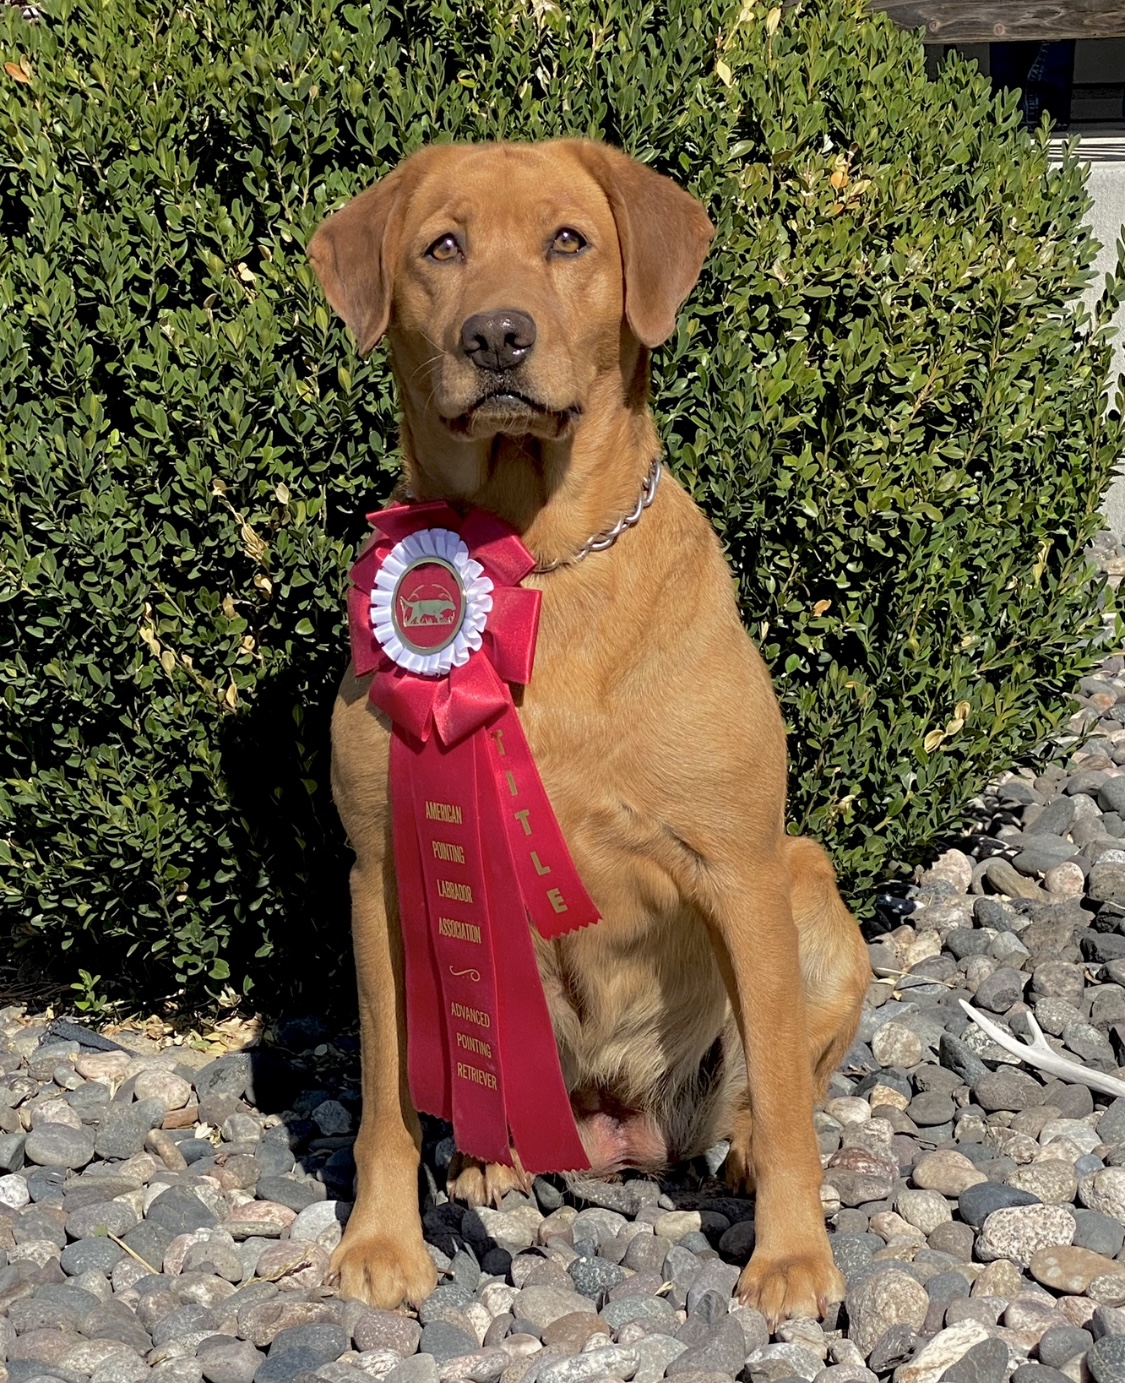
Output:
x=521 y=288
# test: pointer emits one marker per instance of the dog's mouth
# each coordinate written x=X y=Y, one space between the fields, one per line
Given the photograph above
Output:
x=505 y=409
x=507 y=401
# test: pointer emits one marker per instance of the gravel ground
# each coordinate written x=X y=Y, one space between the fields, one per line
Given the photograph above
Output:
x=158 y=1222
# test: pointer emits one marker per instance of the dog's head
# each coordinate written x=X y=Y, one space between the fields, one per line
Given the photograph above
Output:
x=512 y=278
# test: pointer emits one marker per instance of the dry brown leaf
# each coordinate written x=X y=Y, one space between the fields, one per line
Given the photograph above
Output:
x=236 y=1034
x=19 y=71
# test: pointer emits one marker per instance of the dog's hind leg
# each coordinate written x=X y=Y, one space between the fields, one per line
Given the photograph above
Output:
x=485 y=1183
x=834 y=965
x=834 y=974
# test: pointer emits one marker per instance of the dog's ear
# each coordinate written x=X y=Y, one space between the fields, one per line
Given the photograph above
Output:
x=353 y=254
x=664 y=234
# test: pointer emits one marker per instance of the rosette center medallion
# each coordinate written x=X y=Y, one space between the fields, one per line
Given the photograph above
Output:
x=430 y=603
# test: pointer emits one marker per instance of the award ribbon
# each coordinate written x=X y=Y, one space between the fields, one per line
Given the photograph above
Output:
x=437 y=613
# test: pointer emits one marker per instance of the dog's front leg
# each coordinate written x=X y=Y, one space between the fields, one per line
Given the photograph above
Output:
x=791 y=1272
x=382 y=1258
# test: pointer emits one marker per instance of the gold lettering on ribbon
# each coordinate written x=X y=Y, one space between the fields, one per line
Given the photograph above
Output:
x=540 y=867
x=498 y=736
x=462 y=893
x=481 y=1017
x=521 y=817
x=556 y=900
x=463 y=931
x=443 y=811
x=450 y=853
x=511 y=777
x=474 y=1044
x=476 y=1076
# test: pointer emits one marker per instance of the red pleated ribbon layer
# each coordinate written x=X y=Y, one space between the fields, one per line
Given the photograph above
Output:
x=436 y=611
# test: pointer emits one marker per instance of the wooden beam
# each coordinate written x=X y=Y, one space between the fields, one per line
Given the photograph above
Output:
x=991 y=21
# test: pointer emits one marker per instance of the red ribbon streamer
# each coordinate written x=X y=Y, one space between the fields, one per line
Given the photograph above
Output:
x=478 y=855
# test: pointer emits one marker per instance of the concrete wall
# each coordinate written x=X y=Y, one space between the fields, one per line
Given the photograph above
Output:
x=1099 y=67
x=1106 y=184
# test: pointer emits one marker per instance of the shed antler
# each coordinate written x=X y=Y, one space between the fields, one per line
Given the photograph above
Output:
x=1038 y=1052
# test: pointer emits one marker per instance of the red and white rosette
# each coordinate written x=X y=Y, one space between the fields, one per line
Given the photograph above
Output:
x=437 y=613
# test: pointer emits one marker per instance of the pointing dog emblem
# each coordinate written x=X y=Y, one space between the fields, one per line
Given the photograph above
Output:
x=422 y=607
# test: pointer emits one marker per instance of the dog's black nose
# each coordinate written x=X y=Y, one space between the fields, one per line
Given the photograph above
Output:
x=498 y=340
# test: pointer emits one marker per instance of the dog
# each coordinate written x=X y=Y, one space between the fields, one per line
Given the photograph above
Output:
x=522 y=288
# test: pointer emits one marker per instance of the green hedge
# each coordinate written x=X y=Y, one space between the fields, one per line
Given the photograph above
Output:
x=879 y=391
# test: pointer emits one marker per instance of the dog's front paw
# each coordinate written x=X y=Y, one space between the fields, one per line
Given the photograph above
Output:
x=384 y=1271
x=781 y=1285
x=484 y=1183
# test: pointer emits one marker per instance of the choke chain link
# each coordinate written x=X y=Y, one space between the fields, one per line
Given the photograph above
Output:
x=606 y=539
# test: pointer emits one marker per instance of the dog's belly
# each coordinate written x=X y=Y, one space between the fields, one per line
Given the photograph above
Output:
x=641 y=1013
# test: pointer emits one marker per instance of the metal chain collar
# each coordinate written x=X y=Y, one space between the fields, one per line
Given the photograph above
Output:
x=606 y=539
x=608 y=536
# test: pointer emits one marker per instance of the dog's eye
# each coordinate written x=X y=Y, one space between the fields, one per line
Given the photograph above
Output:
x=568 y=242
x=445 y=248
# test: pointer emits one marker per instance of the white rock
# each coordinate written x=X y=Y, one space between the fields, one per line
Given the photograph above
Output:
x=13 y=1192
x=925 y=1210
x=953 y=867
x=54 y=1112
x=1065 y=880
x=1104 y=1191
x=843 y=1351
x=1107 y=1290
x=497 y=1297
x=321 y=1223
x=377 y=1363
x=894 y=1044
x=97 y=1284
x=941 y=1353
x=892 y=1228
x=1018 y=1231
x=103 y=1066
x=1050 y=1178
x=513 y=1230
x=885 y=1095
x=889 y=1296
x=800 y=1361
x=846 y=1373
x=946 y=1172
x=170 y=1089
x=807 y=1333
x=848 y=1109
x=153 y=1191
x=479 y=1315
x=603 y=1361
x=134 y=1200
x=37 y=1251
x=922 y=947
x=141 y=1168
x=876 y=1135
x=1073 y=1131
